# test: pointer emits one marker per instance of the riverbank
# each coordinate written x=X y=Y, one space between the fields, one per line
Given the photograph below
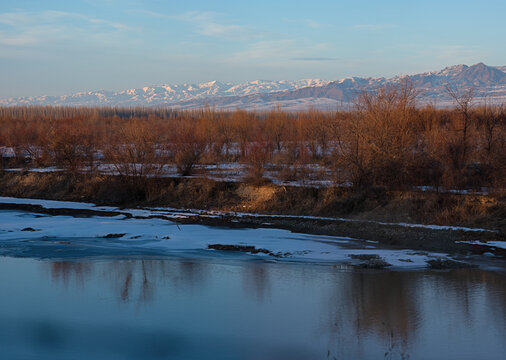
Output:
x=465 y=225
x=73 y=231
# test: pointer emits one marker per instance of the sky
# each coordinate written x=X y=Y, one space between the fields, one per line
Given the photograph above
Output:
x=59 y=47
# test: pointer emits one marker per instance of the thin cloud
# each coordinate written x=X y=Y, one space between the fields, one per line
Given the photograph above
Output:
x=16 y=40
x=35 y=28
x=214 y=29
x=374 y=27
x=24 y=18
x=149 y=13
x=314 y=59
x=276 y=52
x=266 y=50
x=453 y=53
x=313 y=24
x=206 y=23
x=308 y=23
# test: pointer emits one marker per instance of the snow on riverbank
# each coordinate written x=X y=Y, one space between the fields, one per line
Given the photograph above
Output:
x=196 y=212
x=497 y=244
x=316 y=176
x=54 y=204
x=25 y=234
x=184 y=213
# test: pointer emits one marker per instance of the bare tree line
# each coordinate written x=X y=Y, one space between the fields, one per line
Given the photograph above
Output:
x=384 y=141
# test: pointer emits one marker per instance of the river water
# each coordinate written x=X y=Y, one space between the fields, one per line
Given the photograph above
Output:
x=141 y=307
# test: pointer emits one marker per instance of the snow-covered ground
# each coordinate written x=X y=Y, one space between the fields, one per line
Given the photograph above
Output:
x=175 y=214
x=315 y=175
x=497 y=244
x=39 y=235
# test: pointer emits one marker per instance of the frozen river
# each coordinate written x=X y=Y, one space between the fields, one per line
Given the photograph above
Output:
x=143 y=287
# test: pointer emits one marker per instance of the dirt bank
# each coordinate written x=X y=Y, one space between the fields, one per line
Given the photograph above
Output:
x=385 y=206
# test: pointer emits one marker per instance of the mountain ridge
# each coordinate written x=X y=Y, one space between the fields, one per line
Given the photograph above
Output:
x=489 y=83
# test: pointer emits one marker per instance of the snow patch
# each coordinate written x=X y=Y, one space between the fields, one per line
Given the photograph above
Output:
x=109 y=234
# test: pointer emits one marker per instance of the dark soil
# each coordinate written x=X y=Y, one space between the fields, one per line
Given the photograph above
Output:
x=241 y=248
x=60 y=211
x=445 y=264
x=377 y=264
x=114 y=236
x=365 y=257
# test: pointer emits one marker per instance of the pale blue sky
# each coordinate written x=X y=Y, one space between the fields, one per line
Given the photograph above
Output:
x=57 y=47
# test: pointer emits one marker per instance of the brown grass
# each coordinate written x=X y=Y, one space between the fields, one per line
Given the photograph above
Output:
x=374 y=204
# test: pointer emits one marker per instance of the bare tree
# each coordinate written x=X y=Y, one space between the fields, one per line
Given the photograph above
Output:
x=463 y=99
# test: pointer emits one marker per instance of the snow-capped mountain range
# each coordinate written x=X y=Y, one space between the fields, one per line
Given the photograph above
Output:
x=488 y=82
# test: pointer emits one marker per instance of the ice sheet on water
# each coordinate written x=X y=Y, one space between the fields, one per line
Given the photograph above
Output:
x=22 y=232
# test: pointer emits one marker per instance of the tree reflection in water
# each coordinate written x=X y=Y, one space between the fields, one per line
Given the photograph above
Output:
x=131 y=279
x=385 y=305
x=255 y=280
x=66 y=271
x=354 y=306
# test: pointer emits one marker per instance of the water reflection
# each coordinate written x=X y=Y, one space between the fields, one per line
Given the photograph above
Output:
x=255 y=280
x=376 y=304
x=383 y=302
x=273 y=310
x=67 y=271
